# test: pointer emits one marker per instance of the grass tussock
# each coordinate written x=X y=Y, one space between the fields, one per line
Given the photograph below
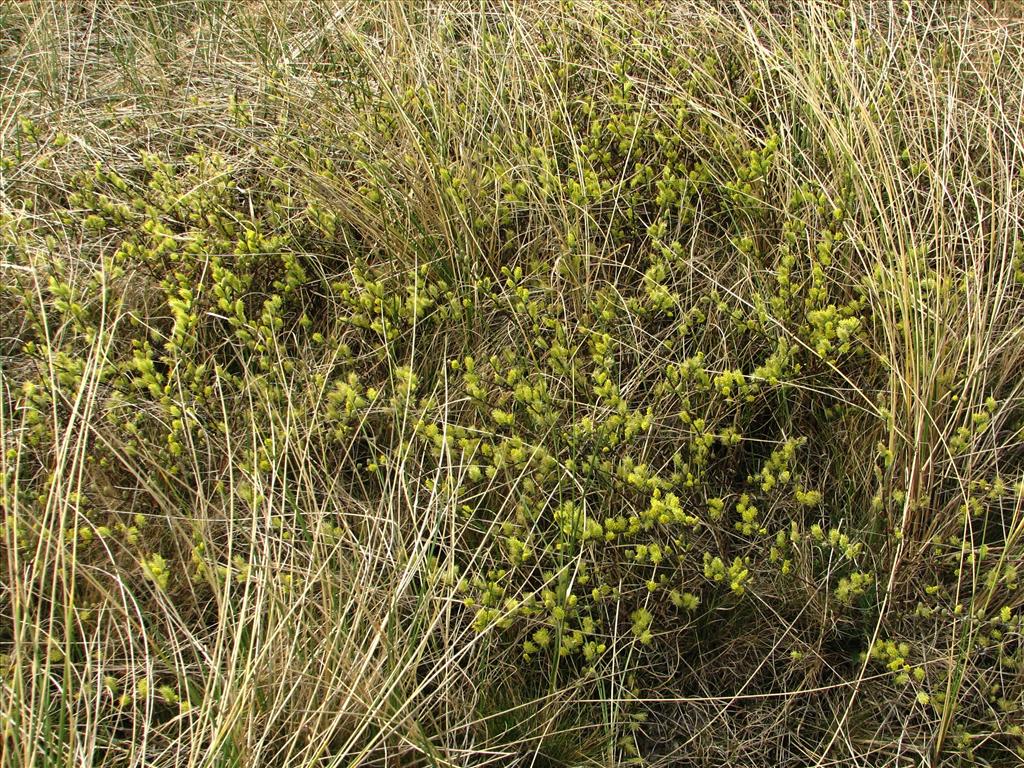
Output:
x=552 y=384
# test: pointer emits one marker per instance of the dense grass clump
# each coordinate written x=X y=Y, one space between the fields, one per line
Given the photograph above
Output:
x=550 y=383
